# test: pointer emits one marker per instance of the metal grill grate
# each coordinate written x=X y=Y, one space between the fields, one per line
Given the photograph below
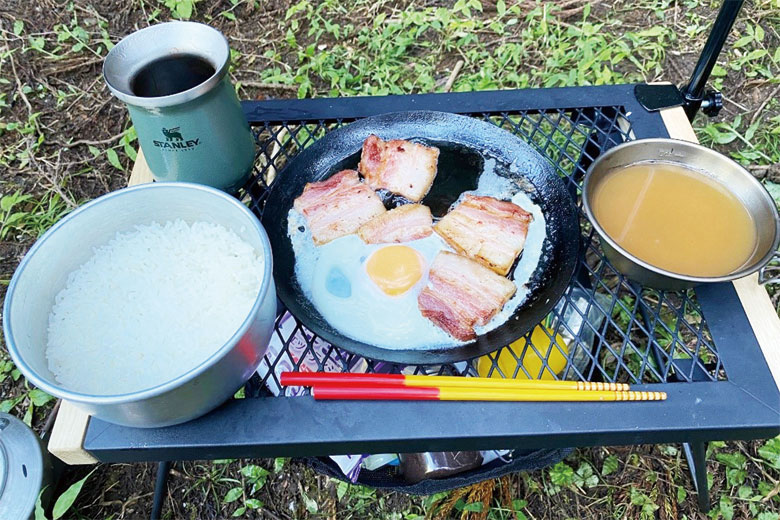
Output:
x=605 y=328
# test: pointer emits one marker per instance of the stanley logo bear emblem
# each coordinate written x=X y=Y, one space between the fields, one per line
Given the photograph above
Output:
x=175 y=141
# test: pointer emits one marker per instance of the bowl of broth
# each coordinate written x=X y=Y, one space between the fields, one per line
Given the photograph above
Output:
x=673 y=214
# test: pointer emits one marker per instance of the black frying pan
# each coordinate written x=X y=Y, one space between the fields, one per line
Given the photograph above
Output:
x=464 y=143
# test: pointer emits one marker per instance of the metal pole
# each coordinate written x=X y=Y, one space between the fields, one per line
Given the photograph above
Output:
x=160 y=486
x=694 y=91
x=696 y=454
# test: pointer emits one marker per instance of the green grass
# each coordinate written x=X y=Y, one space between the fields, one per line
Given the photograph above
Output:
x=335 y=58
x=60 y=153
x=23 y=215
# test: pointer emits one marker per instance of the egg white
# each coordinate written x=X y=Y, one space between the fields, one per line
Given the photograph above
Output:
x=491 y=184
x=369 y=315
x=334 y=278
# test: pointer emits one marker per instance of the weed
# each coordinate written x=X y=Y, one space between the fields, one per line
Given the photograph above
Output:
x=64 y=502
x=182 y=9
x=23 y=215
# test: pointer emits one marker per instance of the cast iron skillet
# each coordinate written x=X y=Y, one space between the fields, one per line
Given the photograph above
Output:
x=464 y=142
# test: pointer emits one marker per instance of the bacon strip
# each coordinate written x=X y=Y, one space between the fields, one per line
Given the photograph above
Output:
x=337 y=206
x=462 y=294
x=401 y=224
x=399 y=166
x=488 y=230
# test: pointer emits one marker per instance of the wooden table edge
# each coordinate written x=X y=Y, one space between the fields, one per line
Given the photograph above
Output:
x=70 y=426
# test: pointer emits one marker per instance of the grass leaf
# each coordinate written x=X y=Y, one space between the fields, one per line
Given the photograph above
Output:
x=39 y=512
x=732 y=460
x=474 y=507
x=6 y=202
x=65 y=500
x=184 y=9
x=610 y=465
x=113 y=158
x=562 y=474
x=745 y=40
x=39 y=397
x=311 y=504
x=654 y=31
x=8 y=404
x=342 y=489
x=770 y=451
x=254 y=503
x=726 y=508
x=233 y=494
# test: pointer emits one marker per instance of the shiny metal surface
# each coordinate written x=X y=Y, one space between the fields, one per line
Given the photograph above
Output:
x=143 y=47
x=25 y=469
x=68 y=244
x=708 y=162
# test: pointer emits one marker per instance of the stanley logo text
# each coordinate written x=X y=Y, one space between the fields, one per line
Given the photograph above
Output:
x=175 y=141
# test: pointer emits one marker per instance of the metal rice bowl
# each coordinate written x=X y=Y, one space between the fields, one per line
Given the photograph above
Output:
x=68 y=244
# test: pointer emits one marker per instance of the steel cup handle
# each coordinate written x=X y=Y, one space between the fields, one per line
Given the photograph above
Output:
x=770 y=273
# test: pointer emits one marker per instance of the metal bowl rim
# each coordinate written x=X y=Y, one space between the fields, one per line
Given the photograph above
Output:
x=693 y=279
x=114 y=399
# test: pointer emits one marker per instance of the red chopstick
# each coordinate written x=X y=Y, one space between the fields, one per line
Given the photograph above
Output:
x=375 y=393
x=340 y=378
x=386 y=393
x=409 y=381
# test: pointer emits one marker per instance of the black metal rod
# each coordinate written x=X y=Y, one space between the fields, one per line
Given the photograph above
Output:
x=163 y=468
x=695 y=452
x=694 y=91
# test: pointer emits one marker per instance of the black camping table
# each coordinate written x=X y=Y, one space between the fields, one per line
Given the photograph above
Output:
x=715 y=350
x=710 y=348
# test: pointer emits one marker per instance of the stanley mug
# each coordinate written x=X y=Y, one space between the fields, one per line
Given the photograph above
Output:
x=173 y=78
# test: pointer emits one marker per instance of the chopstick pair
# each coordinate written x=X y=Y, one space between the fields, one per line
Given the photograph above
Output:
x=339 y=386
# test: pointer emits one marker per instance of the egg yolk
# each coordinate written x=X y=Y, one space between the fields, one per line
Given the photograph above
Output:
x=394 y=269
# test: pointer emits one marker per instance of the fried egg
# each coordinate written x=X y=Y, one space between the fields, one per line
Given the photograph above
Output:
x=369 y=292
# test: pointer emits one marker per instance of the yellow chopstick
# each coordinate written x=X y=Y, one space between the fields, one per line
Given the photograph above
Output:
x=479 y=394
x=514 y=384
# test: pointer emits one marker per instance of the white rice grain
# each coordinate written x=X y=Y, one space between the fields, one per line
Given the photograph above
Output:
x=151 y=305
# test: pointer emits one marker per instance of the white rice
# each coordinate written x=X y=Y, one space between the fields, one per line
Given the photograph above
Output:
x=151 y=305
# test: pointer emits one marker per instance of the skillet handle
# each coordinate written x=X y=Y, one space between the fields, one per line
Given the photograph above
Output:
x=770 y=273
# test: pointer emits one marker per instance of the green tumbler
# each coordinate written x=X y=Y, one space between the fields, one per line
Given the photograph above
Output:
x=173 y=78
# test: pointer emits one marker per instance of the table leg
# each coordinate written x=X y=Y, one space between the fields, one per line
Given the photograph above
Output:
x=697 y=464
x=163 y=468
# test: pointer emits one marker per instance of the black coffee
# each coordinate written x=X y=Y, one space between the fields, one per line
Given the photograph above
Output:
x=171 y=74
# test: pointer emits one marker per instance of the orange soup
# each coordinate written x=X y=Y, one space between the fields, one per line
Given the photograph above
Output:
x=675 y=218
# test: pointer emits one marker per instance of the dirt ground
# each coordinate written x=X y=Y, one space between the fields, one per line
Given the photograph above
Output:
x=64 y=141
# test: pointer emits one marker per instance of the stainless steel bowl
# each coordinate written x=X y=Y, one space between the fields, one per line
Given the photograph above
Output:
x=710 y=163
x=69 y=243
